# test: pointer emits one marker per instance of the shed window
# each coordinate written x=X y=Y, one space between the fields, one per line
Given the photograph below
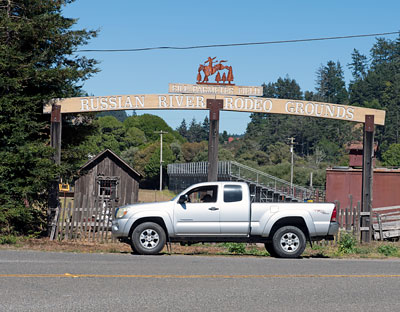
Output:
x=108 y=187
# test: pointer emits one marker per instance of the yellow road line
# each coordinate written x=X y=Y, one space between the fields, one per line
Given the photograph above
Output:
x=204 y=276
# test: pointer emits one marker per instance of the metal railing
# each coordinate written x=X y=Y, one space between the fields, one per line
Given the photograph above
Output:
x=263 y=179
x=233 y=169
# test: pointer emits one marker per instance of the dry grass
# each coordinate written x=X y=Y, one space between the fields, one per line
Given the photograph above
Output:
x=44 y=244
x=149 y=196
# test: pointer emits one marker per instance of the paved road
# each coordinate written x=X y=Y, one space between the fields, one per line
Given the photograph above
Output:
x=39 y=281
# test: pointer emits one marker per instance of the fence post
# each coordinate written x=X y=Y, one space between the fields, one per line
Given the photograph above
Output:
x=378 y=216
x=358 y=218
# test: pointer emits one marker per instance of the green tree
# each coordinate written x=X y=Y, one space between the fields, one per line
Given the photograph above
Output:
x=150 y=125
x=359 y=65
x=182 y=129
x=391 y=157
x=120 y=115
x=268 y=129
x=195 y=132
x=191 y=150
x=135 y=137
x=331 y=86
x=110 y=135
x=205 y=127
x=37 y=63
x=380 y=88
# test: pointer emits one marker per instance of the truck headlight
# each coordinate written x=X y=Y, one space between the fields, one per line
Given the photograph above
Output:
x=121 y=212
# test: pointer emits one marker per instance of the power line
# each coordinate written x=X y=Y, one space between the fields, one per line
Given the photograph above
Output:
x=238 y=44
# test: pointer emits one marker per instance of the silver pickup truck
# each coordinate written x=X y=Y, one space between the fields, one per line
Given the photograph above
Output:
x=223 y=212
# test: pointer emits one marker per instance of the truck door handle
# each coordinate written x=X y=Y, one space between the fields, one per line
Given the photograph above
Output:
x=213 y=208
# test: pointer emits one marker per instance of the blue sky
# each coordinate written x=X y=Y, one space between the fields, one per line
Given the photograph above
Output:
x=127 y=24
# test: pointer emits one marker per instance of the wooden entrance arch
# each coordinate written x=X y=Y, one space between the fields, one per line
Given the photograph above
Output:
x=226 y=98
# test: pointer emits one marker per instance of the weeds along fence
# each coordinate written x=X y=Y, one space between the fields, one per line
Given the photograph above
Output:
x=90 y=224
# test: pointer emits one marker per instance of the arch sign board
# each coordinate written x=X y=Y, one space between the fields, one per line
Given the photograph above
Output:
x=231 y=103
x=235 y=98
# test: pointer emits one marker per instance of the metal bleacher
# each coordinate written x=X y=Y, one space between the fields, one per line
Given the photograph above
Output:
x=263 y=187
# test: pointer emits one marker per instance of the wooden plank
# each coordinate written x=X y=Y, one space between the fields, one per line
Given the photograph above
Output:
x=380 y=226
x=390 y=218
x=85 y=216
x=231 y=103
x=358 y=218
x=386 y=208
x=75 y=214
x=113 y=208
x=387 y=234
x=60 y=227
x=394 y=213
x=215 y=89
x=103 y=219
x=67 y=222
x=90 y=222
x=96 y=224
x=387 y=226
x=107 y=219
x=347 y=219
x=72 y=229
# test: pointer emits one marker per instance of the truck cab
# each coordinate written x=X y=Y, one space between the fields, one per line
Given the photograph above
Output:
x=220 y=208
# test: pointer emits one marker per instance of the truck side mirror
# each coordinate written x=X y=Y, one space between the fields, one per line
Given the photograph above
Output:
x=183 y=199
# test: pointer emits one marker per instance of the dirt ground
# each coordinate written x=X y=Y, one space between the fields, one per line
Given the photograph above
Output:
x=44 y=244
x=252 y=250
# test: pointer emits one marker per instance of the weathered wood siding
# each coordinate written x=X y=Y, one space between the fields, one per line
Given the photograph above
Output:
x=86 y=185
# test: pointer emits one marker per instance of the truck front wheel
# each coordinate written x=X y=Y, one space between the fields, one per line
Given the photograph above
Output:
x=289 y=242
x=148 y=238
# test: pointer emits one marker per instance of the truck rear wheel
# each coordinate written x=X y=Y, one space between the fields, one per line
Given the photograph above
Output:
x=289 y=242
x=148 y=238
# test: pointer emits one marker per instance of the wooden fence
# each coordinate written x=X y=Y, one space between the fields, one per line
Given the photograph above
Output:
x=85 y=224
x=385 y=222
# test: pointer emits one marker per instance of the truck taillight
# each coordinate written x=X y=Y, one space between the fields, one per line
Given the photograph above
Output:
x=333 y=216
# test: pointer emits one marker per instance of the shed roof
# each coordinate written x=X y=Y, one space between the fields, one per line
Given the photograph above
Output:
x=92 y=162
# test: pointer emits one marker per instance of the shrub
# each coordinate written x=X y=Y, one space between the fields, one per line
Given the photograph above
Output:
x=237 y=248
x=347 y=243
x=388 y=250
x=8 y=240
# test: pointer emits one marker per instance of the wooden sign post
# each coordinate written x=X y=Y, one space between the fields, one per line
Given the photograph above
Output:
x=367 y=178
x=214 y=106
x=55 y=142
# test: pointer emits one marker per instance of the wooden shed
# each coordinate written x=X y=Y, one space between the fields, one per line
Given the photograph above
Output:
x=104 y=178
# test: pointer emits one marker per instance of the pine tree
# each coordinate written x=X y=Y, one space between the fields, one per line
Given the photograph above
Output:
x=359 y=65
x=331 y=86
x=37 y=63
x=205 y=127
x=182 y=129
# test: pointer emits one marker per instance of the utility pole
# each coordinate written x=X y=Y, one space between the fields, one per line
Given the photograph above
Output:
x=291 y=166
x=161 y=160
